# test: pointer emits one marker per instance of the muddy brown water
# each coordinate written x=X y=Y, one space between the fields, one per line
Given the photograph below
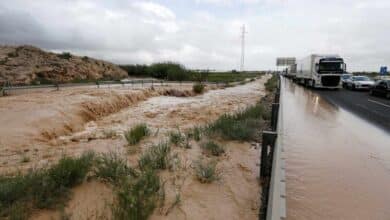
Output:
x=337 y=165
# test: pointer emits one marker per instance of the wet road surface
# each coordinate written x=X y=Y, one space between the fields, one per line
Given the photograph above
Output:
x=337 y=164
x=375 y=110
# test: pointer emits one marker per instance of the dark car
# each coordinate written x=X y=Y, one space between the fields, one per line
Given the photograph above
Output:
x=381 y=88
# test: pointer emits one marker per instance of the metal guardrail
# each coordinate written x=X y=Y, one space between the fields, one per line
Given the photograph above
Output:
x=272 y=173
x=8 y=87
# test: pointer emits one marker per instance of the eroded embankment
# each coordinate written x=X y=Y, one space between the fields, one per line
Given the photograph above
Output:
x=236 y=192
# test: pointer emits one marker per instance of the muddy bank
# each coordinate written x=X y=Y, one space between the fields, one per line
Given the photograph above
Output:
x=237 y=190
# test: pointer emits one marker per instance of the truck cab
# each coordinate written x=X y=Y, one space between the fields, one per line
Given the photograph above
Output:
x=328 y=71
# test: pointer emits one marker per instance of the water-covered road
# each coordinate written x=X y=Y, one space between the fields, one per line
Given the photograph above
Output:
x=337 y=165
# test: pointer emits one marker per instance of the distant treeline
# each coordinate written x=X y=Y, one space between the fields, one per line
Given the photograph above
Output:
x=177 y=72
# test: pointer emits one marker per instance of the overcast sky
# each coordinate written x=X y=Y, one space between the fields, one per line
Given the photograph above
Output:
x=203 y=33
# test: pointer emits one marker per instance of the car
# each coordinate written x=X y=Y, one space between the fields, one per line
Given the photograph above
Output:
x=359 y=82
x=381 y=88
x=344 y=79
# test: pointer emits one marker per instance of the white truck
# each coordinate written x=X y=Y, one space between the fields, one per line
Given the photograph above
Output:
x=321 y=71
x=291 y=71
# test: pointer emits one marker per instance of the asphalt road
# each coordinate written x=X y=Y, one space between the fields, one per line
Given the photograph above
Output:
x=375 y=110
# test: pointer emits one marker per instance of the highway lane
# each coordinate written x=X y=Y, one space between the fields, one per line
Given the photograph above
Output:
x=375 y=110
x=337 y=164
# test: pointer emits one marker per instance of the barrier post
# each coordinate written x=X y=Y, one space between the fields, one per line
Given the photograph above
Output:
x=267 y=146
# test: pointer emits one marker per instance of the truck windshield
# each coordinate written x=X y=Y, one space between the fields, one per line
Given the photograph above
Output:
x=331 y=67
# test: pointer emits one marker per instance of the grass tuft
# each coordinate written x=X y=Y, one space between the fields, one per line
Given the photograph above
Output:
x=242 y=126
x=272 y=83
x=156 y=157
x=44 y=188
x=195 y=133
x=135 y=135
x=136 y=199
x=213 y=148
x=112 y=168
x=206 y=171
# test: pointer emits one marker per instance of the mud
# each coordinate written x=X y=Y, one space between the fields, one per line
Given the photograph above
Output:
x=338 y=165
x=107 y=114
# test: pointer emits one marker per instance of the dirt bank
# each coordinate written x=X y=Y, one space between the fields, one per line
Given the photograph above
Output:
x=100 y=125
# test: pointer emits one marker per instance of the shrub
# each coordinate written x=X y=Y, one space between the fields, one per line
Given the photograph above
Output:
x=112 y=168
x=213 y=148
x=156 y=157
x=137 y=199
x=243 y=126
x=206 y=171
x=43 y=188
x=198 y=88
x=176 y=138
x=65 y=55
x=135 y=135
x=272 y=83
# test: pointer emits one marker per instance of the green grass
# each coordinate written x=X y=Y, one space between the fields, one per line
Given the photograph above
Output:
x=44 y=188
x=225 y=77
x=195 y=133
x=213 y=148
x=135 y=134
x=156 y=157
x=206 y=171
x=113 y=168
x=243 y=126
x=272 y=83
x=198 y=88
x=136 y=199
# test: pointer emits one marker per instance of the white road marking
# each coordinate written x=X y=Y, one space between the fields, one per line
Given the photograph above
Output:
x=379 y=103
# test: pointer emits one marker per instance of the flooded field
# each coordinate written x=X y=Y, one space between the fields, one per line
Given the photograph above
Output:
x=337 y=165
x=45 y=126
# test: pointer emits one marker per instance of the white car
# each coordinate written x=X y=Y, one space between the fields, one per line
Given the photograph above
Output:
x=344 y=78
x=359 y=82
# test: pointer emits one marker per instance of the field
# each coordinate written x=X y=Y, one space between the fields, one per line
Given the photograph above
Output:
x=143 y=153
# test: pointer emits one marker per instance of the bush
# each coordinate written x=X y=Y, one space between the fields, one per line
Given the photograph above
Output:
x=43 y=188
x=138 y=198
x=272 y=83
x=156 y=157
x=213 y=148
x=206 y=172
x=198 y=88
x=176 y=138
x=135 y=135
x=65 y=55
x=242 y=126
x=112 y=168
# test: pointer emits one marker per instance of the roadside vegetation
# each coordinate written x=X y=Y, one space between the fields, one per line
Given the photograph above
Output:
x=206 y=171
x=134 y=135
x=177 y=72
x=272 y=83
x=43 y=188
x=242 y=126
x=212 y=148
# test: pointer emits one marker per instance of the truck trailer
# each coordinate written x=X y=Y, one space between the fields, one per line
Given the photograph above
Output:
x=321 y=71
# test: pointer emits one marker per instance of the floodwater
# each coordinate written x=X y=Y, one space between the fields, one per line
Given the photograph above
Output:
x=337 y=165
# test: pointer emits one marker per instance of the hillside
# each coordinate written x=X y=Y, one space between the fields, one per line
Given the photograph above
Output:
x=30 y=65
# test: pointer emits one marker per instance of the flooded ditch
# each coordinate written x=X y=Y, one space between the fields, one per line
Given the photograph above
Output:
x=237 y=191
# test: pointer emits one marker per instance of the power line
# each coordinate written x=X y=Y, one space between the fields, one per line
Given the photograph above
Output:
x=243 y=32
